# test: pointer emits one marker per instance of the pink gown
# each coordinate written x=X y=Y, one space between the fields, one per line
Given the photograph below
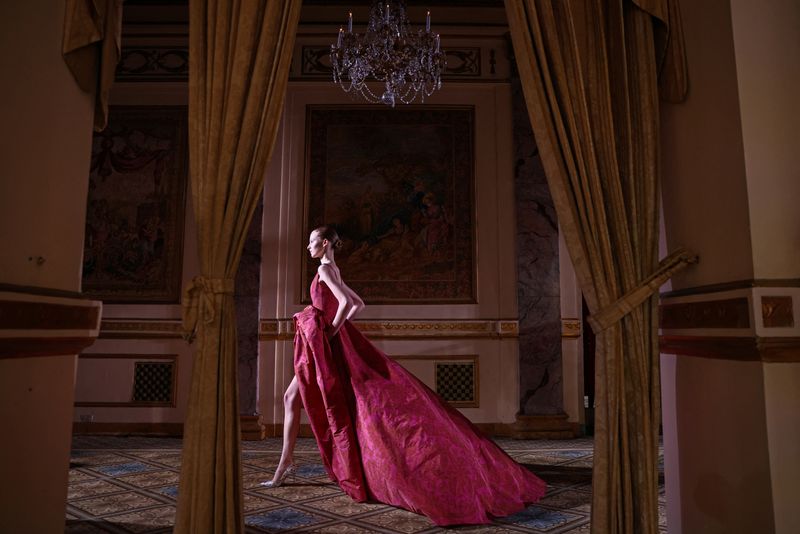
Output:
x=385 y=436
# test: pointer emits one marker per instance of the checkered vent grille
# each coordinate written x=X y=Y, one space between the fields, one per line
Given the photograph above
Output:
x=455 y=382
x=152 y=382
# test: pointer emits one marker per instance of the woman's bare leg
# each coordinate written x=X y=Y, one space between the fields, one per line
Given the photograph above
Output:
x=291 y=426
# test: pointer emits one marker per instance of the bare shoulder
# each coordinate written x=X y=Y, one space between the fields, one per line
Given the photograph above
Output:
x=328 y=272
x=325 y=271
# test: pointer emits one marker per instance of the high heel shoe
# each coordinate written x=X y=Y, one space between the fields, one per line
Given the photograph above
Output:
x=288 y=472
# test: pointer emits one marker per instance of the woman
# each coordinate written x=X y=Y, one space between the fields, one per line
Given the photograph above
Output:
x=383 y=434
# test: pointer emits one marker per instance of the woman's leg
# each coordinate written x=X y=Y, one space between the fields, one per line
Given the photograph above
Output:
x=291 y=425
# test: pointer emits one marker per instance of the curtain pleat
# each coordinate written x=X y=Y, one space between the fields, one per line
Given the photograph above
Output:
x=590 y=72
x=91 y=47
x=239 y=58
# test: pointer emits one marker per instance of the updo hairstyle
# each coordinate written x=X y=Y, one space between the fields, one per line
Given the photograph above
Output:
x=328 y=232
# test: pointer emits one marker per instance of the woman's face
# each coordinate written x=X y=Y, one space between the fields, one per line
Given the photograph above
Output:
x=316 y=245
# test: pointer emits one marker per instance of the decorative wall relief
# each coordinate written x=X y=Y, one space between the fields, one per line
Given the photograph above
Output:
x=133 y=249
x=571 y=327
x=398 y=185
x=776 y=311
x=153 y=64
x=461 y=62
x=724 y=313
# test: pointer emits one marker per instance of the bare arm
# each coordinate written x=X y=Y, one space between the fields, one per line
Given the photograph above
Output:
x=358 y=304
x=328 y=275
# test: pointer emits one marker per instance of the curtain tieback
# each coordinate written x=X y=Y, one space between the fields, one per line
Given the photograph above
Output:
x=667 y=267
x=198 y=300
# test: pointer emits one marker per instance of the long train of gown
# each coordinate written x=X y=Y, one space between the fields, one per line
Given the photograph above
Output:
x=385 y=436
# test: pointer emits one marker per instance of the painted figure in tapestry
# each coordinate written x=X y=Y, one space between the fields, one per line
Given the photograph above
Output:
x=134 y=218
x=400 y=186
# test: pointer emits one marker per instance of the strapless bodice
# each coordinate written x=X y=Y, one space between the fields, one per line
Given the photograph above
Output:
x=323 y=299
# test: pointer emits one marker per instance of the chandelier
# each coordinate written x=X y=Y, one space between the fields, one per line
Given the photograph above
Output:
x=409 y=63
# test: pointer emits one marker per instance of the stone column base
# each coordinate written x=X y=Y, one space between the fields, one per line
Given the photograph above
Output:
x=553 y=426
x=252 y=428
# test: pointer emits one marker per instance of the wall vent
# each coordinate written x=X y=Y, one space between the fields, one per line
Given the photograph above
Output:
x=154 y=382
x=457 y=383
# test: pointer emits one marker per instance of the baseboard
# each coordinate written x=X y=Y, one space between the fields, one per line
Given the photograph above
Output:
x=129 y=429
x=553 y=426
x=275 y=430
x=546 y=427
x=252 y=429
x=525 y=427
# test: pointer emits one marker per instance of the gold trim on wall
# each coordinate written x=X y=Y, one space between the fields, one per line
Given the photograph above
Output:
x=571 y=327
x=776 y=311
x=125 y=356
x=141 y=329
x=509 y=328
x=283 y=329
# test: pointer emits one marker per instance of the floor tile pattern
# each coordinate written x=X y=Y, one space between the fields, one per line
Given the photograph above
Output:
x=130 y=484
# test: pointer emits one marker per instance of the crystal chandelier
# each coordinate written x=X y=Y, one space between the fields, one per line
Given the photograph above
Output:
x=409 y=63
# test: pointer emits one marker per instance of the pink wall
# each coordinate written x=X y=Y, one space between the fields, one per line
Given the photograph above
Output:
x=730 y=189
x=45 y=135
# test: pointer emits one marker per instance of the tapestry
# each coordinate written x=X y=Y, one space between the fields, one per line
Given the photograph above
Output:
x=133 y=247
x=398 y=187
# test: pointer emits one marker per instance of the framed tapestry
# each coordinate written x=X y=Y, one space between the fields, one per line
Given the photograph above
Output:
x=398 y=186
x=133 y=248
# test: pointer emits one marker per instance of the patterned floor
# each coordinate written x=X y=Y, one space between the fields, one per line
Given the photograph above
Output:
x=124 y=485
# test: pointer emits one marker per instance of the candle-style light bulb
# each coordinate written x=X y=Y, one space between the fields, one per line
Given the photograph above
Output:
x=339 y=40
x=350 y=23
x=428 y=22
x=437 y=42
x=387 y=13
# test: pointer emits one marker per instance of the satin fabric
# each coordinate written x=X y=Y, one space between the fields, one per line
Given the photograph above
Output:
x=385 y=436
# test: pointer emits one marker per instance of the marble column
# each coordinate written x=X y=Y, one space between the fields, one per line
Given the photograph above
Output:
x=248 y=279
x=541 y=402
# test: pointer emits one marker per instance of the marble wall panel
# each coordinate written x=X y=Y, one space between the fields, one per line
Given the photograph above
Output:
x=248 y=279
x=538 y=290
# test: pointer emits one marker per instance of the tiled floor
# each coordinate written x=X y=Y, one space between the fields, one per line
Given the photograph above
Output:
x=124 y=485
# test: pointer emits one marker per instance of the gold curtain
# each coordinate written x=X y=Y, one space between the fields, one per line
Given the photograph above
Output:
x=239 y=53
x=91 y=48
x=591 y=74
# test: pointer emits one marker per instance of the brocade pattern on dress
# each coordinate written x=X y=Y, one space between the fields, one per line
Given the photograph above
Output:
x=385 y=436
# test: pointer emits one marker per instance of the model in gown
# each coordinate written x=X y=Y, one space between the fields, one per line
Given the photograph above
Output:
x=383 y=435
